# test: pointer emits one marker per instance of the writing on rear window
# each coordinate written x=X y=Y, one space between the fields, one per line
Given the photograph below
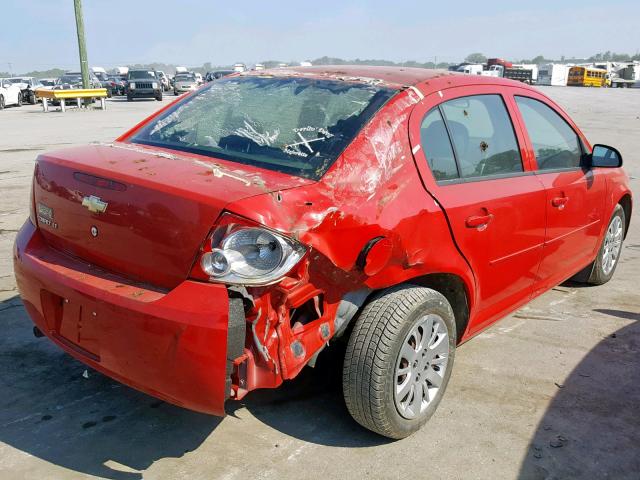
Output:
x=293 y=125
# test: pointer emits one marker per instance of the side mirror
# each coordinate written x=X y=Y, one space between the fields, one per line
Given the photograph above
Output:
x=603 y=156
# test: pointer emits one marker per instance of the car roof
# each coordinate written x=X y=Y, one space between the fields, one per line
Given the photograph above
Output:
x=428 y=79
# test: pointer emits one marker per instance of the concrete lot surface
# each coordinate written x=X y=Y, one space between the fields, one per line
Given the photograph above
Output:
x=551 y=392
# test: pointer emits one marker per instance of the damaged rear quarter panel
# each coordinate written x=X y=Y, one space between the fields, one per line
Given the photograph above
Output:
x=372 y=190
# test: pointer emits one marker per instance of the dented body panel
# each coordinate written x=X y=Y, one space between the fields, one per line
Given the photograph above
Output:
x=375 y=219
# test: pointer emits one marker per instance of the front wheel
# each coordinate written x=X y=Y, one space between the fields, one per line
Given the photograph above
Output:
x=399 y=360
x=159 y=97
x=20 y=99
x=1 y=102
x=607 y=260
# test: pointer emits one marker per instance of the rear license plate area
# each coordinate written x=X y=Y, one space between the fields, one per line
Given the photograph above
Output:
x=73 y=322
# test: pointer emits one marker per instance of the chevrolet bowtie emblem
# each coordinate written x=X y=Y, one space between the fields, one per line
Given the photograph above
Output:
x=94 y=204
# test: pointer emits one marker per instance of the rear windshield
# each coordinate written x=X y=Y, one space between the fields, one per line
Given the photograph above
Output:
x=292 y=125
x=185 y=78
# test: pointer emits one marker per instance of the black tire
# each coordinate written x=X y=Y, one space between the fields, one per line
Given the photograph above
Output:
x=129 y=98
x=1 y=102
x=175 y=93
x=369 y=370
x=598 y=275
x=159 y=97
x=32 y=99
x=20 y=99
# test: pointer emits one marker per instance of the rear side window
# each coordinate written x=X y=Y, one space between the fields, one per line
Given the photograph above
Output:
x=482 y=134
x=555 y=143
x=437 y=147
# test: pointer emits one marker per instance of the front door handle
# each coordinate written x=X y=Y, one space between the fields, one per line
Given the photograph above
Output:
x=478 y=221
x=559 y=202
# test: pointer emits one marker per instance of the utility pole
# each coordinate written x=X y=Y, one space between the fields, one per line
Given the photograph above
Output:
x=82 y=46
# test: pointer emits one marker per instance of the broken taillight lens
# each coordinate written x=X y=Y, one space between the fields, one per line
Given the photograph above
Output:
x=239 y=252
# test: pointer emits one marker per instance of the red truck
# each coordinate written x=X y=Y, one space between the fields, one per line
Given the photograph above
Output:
x=499 y=61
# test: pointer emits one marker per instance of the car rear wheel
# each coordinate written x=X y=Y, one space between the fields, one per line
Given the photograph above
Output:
x=399 y=359
x=1 y=102
x=605 y=264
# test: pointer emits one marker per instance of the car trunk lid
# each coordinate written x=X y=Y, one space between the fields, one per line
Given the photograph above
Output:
x=139 y=211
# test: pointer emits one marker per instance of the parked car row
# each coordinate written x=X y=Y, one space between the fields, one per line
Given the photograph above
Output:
x=138 y=83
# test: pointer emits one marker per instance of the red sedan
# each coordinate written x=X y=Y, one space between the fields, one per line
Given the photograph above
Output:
x=220 y=245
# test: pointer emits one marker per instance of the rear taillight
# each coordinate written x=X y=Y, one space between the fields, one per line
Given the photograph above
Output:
x=240 y=252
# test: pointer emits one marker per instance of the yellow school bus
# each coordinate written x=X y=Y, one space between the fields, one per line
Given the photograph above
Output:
x=588 y=77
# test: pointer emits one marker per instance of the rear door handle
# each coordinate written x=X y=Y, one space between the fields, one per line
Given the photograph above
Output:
x=478 y=221
x=559 y=202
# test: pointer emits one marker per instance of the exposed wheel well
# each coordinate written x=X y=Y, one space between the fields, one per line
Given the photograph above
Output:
x=448 y=284
x=625 y=202
x=453 y=288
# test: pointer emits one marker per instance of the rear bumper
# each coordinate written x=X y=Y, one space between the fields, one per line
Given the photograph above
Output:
x=172 y=345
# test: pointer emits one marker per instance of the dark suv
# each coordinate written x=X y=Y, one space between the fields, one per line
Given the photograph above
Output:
x=143 y=84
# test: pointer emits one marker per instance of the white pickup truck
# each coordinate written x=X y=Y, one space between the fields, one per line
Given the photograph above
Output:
x=471 y=69
x=10 y=94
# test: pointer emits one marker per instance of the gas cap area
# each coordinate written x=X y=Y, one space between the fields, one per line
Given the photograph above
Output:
x=375 y=255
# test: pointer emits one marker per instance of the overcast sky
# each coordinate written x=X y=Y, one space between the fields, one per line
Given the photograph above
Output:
x=40 y=34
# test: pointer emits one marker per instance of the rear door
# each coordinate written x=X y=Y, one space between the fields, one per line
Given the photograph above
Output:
x=473 y=163
x=575 y=194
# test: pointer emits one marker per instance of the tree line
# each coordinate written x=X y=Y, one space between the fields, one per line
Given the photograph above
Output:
x=471 y=58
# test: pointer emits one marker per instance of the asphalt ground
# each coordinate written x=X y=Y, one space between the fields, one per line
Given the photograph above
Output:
x=550 y=392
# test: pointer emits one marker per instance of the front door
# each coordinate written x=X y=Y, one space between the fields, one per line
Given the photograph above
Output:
x=575 y=195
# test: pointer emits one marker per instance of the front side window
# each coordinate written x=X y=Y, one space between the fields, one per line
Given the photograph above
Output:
x=483 y=137
x=555 y=143
x=288 y=124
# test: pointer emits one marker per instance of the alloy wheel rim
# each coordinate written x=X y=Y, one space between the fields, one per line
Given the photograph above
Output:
x=421 y=366
x=612 y=245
